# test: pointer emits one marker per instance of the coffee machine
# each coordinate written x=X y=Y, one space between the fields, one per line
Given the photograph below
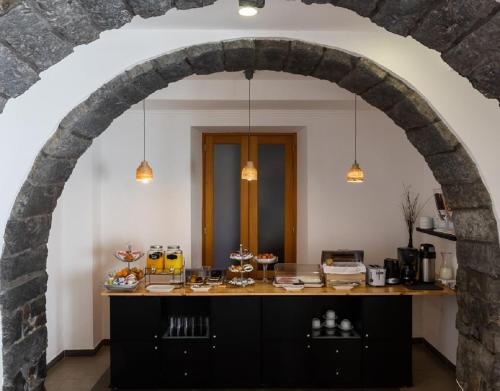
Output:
x=426 y=270
x=408 y=258
x=392 y=271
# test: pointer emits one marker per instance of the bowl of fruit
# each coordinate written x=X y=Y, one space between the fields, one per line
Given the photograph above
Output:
x=125 y=280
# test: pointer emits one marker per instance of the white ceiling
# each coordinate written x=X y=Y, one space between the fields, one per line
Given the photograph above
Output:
x=276 y=15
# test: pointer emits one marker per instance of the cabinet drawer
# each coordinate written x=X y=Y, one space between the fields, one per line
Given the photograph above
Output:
x=332 y=350
x=347 y=373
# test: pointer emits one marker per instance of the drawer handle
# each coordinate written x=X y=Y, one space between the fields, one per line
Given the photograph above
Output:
x=308 y=335
x=156 y=347
x=156 y=336
x=185 y=373
x=337 y=351
x=366 y=346
x=309 y=346
x=337 y=373
x=213 y=346
x=214 y=336
x=185 y=352
x=366 y=335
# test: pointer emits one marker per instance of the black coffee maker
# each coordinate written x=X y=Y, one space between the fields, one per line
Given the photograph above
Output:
x=409 y=258
x=392 y=271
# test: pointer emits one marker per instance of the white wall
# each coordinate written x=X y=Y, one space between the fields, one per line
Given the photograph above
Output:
x=332 y=214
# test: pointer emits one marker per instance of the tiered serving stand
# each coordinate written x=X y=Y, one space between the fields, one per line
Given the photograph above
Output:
x=242 y=258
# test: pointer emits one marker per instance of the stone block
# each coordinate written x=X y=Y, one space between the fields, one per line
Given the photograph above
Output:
x=467 y=195
x=173 y=66
x=35 y=201
x=475 y=48
x=90 y=118
x=252 y=3
x=16 y=76
x=433 y=139
x=21 y=264
x=239 y=55
x=453 y=167
x=21 y=235
x=364 y=76
x=125 y=90
x=386 y=94
x=401 y=17
x=3 y=102
x=12 y=327
x=109 y=14
x=271 y=54
x=18 y=295
x=64 y=144
x=189 y=4
x=303 y=58
x=146 y=79
x=412 y=112
x=486 y=76
x=24 y=358
x=361 y=7
x=70 y=20
x=334 y=65
x=206 y=58
x=479 y=256
x=32 y=36
x=49 y=170
x=475 y=224
x=447 y=22
x=149 y=8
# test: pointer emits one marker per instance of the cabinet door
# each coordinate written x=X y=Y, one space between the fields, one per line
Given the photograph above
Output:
x=387 y=317
x=286 y=363
x=185 y=363
x=135 y=318
x=336 y=362
x=235 y=341
x=387 y=363
x=135 y=364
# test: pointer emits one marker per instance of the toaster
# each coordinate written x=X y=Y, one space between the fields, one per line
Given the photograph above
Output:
x=375 y=275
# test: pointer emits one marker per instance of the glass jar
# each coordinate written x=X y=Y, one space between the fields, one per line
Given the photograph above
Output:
x=156 y=259
x=446 y=271
x=174 y=259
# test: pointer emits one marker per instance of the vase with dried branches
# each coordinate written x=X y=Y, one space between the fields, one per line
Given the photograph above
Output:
x=411 y=209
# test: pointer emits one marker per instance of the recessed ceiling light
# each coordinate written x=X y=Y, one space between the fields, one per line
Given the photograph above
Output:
x=248 y=11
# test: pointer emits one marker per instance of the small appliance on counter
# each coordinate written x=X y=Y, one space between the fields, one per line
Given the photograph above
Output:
x=427 y=264
x=408 y=258
x=392 y=271
x=375 y=275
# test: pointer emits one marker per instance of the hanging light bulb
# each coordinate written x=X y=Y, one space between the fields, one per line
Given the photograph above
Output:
x=249 y=172
x=355 y=173
x=144 y=172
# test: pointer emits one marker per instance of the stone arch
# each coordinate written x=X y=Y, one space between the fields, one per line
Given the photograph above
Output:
x=37 y=34
x=23 y=264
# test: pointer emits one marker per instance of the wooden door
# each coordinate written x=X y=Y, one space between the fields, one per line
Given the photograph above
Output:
x=260 y=214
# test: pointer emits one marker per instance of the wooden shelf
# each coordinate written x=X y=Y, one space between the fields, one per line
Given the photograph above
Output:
x=439 y=234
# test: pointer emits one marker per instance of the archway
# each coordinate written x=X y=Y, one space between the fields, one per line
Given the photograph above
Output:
x=38 y=35
x=23 y=273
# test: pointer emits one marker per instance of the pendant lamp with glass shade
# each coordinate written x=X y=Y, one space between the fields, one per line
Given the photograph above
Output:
x=249 y=172
x=144 y=172
x=355 y=174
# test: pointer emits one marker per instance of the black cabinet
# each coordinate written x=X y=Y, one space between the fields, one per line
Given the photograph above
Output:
x=235 y=341
x=387 y=332
x=135 y=364
x=260 y=341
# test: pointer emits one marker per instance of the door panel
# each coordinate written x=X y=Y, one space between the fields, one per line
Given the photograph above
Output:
x=266 y=218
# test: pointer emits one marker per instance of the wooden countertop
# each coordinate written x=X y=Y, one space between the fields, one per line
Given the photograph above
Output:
x=260 y=289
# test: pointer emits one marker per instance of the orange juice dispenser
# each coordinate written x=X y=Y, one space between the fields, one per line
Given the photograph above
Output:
x=174 y=259
x=156 y=259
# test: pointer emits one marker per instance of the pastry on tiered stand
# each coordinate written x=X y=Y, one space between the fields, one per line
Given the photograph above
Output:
x=242 y=268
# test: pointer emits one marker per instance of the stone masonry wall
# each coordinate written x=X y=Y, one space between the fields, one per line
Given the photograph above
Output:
x=23 y=274
x=35 y=34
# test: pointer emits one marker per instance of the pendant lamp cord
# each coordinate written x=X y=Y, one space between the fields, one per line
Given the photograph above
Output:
x=144 y=126
x=355 y=129
x=249 y=97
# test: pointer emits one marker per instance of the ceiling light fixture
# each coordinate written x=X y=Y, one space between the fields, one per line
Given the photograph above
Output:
x=248 y=11
x=249 y=172
x=355 y=174
x=144 y=172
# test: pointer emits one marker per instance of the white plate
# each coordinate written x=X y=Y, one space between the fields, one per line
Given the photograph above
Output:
x=200 y=288
x=293 y=288
x=160 y=288
x=346 y=287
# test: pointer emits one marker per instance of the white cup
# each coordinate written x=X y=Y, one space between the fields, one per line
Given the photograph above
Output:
x=345 y=324
x=426 y=222
x=316 y=324
x=330 y=323
x=330 y=314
